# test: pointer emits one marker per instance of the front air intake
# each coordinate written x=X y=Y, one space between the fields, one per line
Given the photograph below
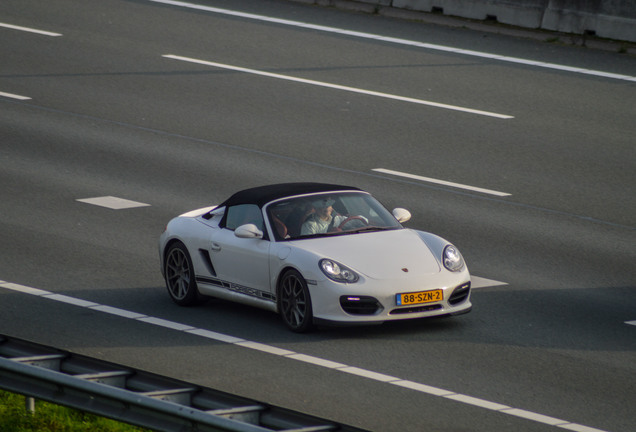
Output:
x=459 y=294
x=360 y=305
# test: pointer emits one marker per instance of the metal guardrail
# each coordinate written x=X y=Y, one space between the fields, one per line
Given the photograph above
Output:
x=138 y=397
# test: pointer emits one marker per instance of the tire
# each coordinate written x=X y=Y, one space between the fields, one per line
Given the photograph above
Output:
x=179 y=276
x=294 y=302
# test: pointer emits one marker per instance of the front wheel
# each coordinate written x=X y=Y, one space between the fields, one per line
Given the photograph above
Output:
x=179 y=273
x=294 y=302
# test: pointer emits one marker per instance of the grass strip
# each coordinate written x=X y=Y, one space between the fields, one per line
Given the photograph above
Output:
x=49 y=417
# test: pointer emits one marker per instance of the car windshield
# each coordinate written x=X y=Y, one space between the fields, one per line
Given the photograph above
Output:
x=326 y=214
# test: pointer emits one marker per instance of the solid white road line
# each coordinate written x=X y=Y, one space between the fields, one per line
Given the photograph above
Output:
x=631 y=323
x=265 y=348
x=14 y=96
x=337 y=87
x=70 y=300
x=113 y=202
x=215 y=336
x=30 y=30
x=398 y=40
x=119 y=312
x=477 y=402
x=441 y=182
x=283 y=353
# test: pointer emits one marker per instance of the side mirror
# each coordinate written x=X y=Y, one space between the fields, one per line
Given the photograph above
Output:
x=402 y=215
x=248 y=231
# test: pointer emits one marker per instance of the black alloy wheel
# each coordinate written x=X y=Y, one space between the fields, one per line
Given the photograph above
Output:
x=294 y=302
x=179 y=274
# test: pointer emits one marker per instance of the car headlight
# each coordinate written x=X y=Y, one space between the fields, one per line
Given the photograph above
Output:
x=453 y=260
x=338 y=272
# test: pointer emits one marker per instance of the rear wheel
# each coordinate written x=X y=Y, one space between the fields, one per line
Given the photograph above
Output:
x=294 y=302
x=179 y=274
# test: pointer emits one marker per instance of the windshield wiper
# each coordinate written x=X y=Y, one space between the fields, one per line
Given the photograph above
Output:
x=337 y=233
x=369 y=229
x=326 y=234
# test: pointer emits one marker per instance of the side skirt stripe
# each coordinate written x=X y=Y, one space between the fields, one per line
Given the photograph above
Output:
x=240 y=289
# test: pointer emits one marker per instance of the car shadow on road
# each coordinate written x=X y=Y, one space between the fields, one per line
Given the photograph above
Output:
x=577 y=319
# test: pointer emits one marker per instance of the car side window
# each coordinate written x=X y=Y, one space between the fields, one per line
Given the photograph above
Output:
x=244 y=214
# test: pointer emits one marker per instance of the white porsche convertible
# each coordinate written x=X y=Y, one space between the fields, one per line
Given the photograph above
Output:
x=314 y=253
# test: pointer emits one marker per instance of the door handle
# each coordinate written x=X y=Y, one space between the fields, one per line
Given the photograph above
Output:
x=215 y=247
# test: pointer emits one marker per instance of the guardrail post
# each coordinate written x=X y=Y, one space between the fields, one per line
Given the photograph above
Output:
x=29 y=403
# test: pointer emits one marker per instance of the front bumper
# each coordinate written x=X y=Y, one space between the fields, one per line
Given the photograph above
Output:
x=373 y=301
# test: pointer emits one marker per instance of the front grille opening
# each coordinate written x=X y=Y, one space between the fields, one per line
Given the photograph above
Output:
x=360 y=305
x=415 y=309
x=460 y=294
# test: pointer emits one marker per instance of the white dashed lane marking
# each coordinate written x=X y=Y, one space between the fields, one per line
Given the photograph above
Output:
x=113 y=202
x=340 y=87
x=441 y=182
x=631 y=322
x=316 y=361
x=29 y=30
x=478 y=282
x=14 y=96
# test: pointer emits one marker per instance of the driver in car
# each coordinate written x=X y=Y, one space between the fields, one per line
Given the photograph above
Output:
x=321 y=220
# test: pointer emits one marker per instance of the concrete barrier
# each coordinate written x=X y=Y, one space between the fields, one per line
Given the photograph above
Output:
x=609 y=19
x=612 y=19
x=527 y=13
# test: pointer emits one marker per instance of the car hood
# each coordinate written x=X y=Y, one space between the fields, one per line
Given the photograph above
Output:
x=378 y=255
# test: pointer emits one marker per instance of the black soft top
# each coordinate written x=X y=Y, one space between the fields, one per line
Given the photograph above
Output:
x=261 y=195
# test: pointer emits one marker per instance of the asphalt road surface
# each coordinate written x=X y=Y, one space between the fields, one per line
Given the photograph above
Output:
x=521 y=152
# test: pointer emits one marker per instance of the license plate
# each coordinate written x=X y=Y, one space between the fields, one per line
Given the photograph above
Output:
x=419 y=297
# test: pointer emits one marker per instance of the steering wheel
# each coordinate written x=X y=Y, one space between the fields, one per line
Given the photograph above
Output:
x=351 y=219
